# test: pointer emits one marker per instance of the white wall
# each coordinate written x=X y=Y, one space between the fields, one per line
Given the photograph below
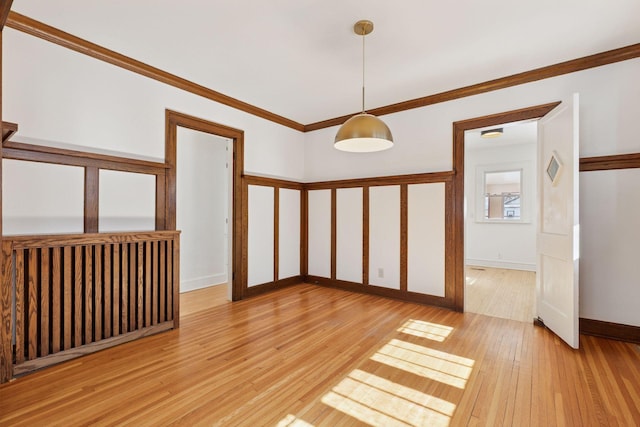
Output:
x=426 y=239
x=126 y=201
x=319 y=238
x=610 y=105
x=501 y=244
x=58 y=96
x=384 y=236
x=261 y=235
x=63 y=98
x=610 y=245
x=349 y=234
x=202 y=188
x=289 y=233
x=609 y=111
x=58 y=191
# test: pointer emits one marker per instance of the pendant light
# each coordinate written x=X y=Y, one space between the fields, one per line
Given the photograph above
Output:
x=363 y=132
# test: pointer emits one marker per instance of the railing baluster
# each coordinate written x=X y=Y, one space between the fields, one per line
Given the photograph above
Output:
x=107 y=291
x=115 y=298
x=67 y=282
x=45 y=321
x=169 y=280
x=88 y=294
x=32 y=303
x=163 y=281
x=97 y=289
x=147 y=286
x=56 y=306
x=20 y=320
x=140 y=293
x=124 y=315
x=133 y=303
x=77 y=301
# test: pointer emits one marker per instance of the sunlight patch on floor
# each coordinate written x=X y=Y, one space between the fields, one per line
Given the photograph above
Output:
x=293 y=421
x=422 y=329
x=380 y=402
x=428 y=363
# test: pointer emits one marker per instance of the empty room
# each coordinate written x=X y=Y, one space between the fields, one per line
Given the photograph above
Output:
x=304 y=213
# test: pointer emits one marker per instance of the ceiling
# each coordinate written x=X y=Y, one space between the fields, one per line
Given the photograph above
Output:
x=518 y=133
x=300 y=58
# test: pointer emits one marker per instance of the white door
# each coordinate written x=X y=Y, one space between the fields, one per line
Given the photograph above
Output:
x=558 y=225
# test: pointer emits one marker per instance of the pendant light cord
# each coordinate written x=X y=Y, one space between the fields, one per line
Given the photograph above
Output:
x=363 y=65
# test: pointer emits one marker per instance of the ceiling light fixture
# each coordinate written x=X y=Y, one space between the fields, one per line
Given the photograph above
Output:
x=363 y=132
x=491 y=133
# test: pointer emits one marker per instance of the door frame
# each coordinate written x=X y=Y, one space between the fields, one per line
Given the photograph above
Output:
x=459 y=128
x=166 y=189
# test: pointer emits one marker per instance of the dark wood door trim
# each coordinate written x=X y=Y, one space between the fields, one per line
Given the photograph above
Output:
x=166 y=204
x=459 y=129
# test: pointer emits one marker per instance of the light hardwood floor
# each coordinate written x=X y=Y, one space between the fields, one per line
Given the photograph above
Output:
x=509 y=294
x=308 y=355
x=202 y=299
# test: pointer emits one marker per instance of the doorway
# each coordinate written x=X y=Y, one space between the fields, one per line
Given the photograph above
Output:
x=166 y=191
x=500 y=220
x=203 y=209
x=459 y=129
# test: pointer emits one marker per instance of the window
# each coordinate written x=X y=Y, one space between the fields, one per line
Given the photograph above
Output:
x=502 y=192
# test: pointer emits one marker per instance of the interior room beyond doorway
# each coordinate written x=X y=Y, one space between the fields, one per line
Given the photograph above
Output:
x=500 y=221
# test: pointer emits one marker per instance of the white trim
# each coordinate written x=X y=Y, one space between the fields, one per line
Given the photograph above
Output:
x=202 y=282
x=509 y=265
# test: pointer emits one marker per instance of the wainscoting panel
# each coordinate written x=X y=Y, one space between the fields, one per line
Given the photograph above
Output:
x=426 y=239
x=384 y=236
x=289 y=233
x=260 y=256
x=349 y=234
x=320 y=233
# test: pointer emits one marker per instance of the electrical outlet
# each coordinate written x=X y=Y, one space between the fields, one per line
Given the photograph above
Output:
x=381 y=273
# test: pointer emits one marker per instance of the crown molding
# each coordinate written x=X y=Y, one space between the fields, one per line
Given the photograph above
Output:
x=46 y=32
x=584 y=63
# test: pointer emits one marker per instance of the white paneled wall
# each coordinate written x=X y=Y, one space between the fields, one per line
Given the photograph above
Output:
x=261 y=235
x=53 y=203
x=289 y=233
x=127 y=201
x=349 y=234
x=384 y=236
x=319 y=238
x=426 y=239
x=610 y=237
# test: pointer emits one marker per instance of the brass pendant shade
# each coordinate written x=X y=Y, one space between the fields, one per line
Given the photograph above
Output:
x=363 y=133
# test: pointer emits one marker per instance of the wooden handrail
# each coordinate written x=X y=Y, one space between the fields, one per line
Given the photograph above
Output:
x=58 y=240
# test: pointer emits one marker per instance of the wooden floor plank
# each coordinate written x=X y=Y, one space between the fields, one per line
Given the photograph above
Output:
x=327 y=357
x=498 y=292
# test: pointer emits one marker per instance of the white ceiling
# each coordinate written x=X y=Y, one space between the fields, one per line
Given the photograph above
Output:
x=300 y=58
x=512 y=134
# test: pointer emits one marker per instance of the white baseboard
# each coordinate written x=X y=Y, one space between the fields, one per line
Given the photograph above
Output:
x=509 y=265
x=187 y=285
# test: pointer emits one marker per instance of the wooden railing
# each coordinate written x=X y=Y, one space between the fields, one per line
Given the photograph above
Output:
x=63 y=296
